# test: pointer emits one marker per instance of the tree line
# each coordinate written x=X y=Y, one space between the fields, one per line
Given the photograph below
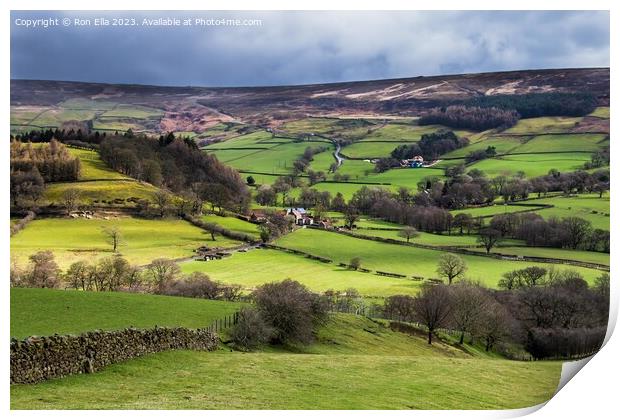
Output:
x=567 y=232
x=532 y=105
x=114 y=273
x=471 y=117
x=549 y=313
x=32 y=166
x=430 y=147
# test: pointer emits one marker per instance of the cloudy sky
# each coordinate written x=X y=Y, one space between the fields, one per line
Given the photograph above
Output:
x=303 y=47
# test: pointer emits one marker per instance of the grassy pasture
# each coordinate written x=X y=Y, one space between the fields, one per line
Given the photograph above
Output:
x=258 y=139
x=493 y=210
x=99 y=191
x=92 y=167
x=257 y=267
x=567 y=254
x=408 y=177
x=532 y=164
x=322 y=161
x=87 y=104
x=133 y=111
x=399 y=258
x=82 y=239
x=201 y=380
x=310 y=125
x=501 y=144
x=277 y=159
x=55 y=117
x=356 y=169
x=114 y=124
x=563 y=143
x=24 y=114
x=368 y=150
x=340 y=367
x=233 y=223
x=73 y=312
x=601 y=112
x=586 y=206
x=544 y=125
x=346 y=189
x=432 y=239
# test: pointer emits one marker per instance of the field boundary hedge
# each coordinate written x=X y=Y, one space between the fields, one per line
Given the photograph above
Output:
x=36 y=359
x=239 y=236
x=23 y=222
x=460 y=250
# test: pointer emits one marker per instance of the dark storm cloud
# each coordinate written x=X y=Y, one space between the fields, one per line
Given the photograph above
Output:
x=307 y=47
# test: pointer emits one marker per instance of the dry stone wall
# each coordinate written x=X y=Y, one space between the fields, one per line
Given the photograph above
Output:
x=36 y=359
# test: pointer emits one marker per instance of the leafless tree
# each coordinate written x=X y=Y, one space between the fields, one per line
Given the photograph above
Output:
x=70 y=198
x=433 y=307
x=163 y=272
x=470 y=302
x=162 y=200
x=408 y=232
x=495 y=324
x=451 y=266
x=114 y=237
x=489 y=238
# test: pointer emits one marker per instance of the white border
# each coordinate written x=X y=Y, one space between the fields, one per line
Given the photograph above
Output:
x=592 y=394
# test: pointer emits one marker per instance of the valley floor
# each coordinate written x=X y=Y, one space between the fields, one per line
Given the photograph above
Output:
x=196 y=380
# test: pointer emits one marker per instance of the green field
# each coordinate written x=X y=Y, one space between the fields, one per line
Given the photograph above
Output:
x=197 y=380
x=99 y=192
x=357 y=170
x=501 y=144
x=233 y=223
x=563 y=143
x=586 y=206
x=259 y=139
x=493 y=210
x=399 y=258
x=257 y=267
x=73 y=312
x=544 y=125
x=532 y=164
x=72 y=240
x=133 y=111
x=369 y=150
x=92 y=167
x=408 y=177
x=55 y=117
x=275 y=158
x=338 y=371
x=432 y=239
x=566 y=254
x=601 y=112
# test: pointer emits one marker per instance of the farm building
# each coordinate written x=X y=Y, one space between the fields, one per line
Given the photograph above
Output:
x=416 y=162
x=302 y=218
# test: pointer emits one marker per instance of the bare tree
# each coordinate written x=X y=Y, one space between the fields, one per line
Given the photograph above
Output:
x=351 y=215
x=469 y=304
x=432 y=307
x=355 y=263
x=113 y=236
x=495 y=324
x=408 y=232
x=489 y=238
x=162 y=200
x=70 y=198
x=44 y=271
x=163 y=272
x=451 y=266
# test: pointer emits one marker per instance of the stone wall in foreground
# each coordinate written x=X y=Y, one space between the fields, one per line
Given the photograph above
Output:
x=37 y=359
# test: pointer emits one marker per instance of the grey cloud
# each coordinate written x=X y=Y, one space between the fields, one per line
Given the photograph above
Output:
x=309 y=47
